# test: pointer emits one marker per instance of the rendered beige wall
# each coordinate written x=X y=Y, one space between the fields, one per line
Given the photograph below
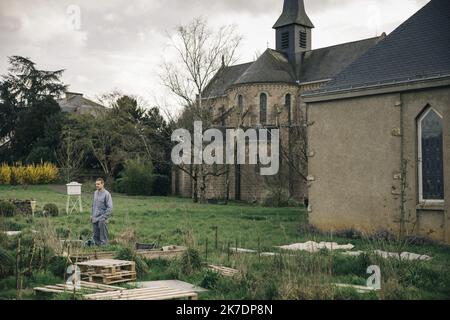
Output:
x=431 y=219
x=354 y=157
x=356 y=166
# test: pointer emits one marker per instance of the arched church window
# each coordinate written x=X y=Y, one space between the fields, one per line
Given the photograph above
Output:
x=431 y=162
x=288 y=104
x=263 y=108
x=240 y=104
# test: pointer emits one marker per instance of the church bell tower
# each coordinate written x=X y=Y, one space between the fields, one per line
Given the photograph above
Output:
x=293 y=31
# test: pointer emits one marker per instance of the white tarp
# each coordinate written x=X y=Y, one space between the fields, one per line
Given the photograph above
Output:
x=312 y=246
x=401 y=256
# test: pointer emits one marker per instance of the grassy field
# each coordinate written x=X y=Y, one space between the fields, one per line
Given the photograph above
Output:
x=173 y=221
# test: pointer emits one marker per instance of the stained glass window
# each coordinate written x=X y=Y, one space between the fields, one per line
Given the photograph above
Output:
x=431 y=156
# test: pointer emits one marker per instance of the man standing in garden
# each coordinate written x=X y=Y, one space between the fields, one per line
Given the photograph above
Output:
x=101 y=211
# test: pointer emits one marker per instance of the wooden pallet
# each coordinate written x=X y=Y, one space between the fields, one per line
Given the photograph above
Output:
x=107 y=271
x=82 y=257
x=224 y=271
x=162 y=293
x=85 y=287
x=167 y=253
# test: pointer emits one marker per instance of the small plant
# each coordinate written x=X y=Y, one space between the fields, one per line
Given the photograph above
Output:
x=210 y=280
x=7 y=209
x=7 y=263
x=382 y=236
x=63 y=233
x=349 y=234
x=191 y=262
x=51 y=210
x=279 y=198
x=308 y=229
x=57 y=266
x=129 y=254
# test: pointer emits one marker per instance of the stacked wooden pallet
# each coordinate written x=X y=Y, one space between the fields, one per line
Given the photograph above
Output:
x=162 y=293
x=224 y=271
x=85 y=287
x=81 y=257
x=107 y=271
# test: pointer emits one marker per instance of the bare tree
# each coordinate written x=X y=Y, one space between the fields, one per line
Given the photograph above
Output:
x=70 y=157
x=201 y=53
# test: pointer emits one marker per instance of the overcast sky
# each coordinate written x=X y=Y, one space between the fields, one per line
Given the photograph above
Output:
x=121 y=43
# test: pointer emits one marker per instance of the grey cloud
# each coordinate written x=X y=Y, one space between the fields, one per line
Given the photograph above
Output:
x=121 y=41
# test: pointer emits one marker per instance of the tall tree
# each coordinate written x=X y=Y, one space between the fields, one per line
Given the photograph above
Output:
x=201 y=53
x=27 y=101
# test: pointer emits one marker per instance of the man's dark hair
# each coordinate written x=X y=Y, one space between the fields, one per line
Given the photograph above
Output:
x=101 y=180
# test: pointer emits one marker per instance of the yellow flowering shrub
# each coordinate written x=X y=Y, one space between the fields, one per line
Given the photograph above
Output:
x=5 y=174
x=19 y=174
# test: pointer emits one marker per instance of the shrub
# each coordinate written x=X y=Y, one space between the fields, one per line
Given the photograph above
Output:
x=130 y=255
x=58 y=266
x=51 y=209
x=191 y=262
x=161 y=185
x=382 y=236
x=308 y=229
x=7 y=263
x=210 y=280
x=349 y=234
x=136 y=179
x=7 y=209
x=5 y=174
x=419 y=240
x=279 y=198
x=18 y=174
x=63 y=233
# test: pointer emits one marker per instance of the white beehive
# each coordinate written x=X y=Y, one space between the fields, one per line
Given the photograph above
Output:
x=74 y=189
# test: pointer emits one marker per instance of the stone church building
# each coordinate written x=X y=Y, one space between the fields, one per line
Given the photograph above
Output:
x=379 y=139
x=377 y=113
x=267 y=93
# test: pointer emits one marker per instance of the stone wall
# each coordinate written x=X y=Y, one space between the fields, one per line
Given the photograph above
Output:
x=253 y=186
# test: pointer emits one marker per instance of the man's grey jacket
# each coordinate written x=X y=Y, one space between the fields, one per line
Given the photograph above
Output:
x=102 y=206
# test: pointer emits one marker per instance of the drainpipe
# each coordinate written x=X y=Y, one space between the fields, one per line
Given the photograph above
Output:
x=403 y=168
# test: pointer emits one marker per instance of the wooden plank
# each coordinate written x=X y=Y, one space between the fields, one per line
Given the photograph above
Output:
x=162 y=293
x=46 y=290
x=159 y=289
x=100 y=286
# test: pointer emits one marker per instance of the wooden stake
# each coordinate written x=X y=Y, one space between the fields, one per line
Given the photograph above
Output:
x=206 y=250
x=18 y=282
x=216 y=229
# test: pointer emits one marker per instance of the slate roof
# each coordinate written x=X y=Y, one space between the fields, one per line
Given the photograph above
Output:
x=224 y=78
x=417 y=49
x=293 y=13
x=326 y=63
x=271 y=66
x=76 y=103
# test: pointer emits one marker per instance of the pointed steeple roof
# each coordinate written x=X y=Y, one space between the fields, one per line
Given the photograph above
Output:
x=293 y=13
